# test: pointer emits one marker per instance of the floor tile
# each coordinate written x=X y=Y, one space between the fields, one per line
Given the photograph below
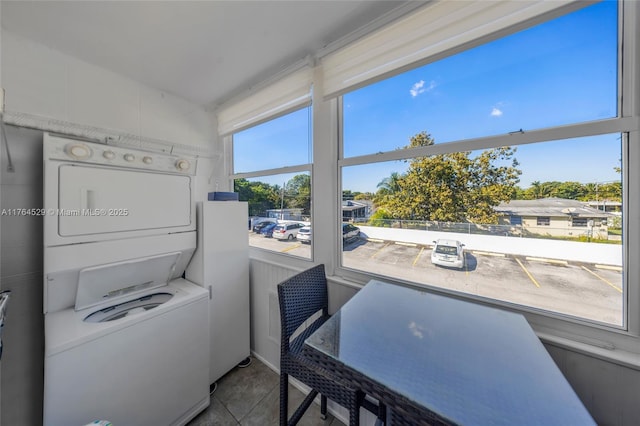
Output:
x=267 y=412
x=215 y=415
x=250 y=396
x=243 y=388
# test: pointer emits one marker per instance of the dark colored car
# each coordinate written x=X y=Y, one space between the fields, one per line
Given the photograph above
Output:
x=267 y=230
x=257 y=228
x=349 y=232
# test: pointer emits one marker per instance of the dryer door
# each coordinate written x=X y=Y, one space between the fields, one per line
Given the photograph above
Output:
x=95 y=200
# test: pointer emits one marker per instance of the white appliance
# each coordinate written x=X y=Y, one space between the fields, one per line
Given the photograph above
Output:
x=126 y=339
x=221 y=265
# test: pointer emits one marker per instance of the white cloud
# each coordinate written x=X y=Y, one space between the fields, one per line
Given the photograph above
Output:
x=495 y=112
x=419 y=88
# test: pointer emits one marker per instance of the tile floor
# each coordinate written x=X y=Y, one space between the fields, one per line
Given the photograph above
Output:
x=250 y=396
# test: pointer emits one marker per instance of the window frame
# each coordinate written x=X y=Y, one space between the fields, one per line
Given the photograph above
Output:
x=299 y=168
x=619 y=343
x=543 y=220
x=579 y=222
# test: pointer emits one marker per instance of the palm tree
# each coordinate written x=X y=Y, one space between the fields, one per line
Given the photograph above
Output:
x=390 y=184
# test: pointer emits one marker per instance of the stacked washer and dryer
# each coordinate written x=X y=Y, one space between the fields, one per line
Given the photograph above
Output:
x=126 y=338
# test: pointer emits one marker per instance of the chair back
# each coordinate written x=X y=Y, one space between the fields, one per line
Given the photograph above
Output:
x=300 y=297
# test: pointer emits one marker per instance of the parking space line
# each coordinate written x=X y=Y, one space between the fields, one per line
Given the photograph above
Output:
x=375 y=240
x=418 y=256
x=546 y=260
x=291 y=248
x=486 y=253
x=379 y=250
x=609 y=267
x=601 y=278
x=528 y=273
x=400 y=243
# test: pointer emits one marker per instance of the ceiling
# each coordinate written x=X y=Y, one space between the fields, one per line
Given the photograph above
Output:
x=203 y=51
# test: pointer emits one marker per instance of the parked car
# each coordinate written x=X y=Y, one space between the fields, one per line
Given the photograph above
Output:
x=304 y=234
x=448 y=253
x=287 y=231
x=349 y=232
x=257 y=228
x=267 y=230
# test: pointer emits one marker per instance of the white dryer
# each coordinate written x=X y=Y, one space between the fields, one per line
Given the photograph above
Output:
x=126 y=339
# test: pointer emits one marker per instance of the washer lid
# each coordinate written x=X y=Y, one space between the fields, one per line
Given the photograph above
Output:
x=116 y=281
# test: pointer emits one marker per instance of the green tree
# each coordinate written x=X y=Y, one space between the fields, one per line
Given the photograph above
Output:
x=380 y=218
x=260 y=196
x=452 y=187
x=363 y=196
x=298 y=193
x=570 y=190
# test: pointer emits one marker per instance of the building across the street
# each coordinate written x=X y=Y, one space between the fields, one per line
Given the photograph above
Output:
x=555 y=217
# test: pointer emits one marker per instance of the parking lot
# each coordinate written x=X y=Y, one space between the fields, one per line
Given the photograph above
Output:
x=584 y=290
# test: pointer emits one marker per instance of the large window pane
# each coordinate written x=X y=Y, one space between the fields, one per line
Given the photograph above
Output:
x=281 y=142
x=282 y=199
x=559 y=72
x=540 y=224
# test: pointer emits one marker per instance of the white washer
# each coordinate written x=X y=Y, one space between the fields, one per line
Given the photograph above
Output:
x=126 y=339
x=145 y=368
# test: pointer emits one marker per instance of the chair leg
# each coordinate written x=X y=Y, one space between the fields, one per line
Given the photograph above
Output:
x=382 y=413
x=284 y=397
x=354 y=409
x=323 y=407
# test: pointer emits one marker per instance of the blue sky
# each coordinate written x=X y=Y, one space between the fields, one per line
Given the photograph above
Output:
x=561 y=72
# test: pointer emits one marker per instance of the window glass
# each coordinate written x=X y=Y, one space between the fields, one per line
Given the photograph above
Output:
x=544 y=221
x=580 y=221
x=560 y=72
x=276 y=197
x=283 y=199
x=281 y=142
x=492 y=202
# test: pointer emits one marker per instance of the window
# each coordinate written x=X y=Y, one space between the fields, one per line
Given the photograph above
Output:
x=579 y=222
x=272 y=172
x=485 y=147
x=543 y=221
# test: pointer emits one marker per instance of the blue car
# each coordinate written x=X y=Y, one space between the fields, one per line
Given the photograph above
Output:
x=267 y=231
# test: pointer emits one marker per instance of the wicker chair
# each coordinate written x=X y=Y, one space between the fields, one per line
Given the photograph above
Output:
x=300 y=297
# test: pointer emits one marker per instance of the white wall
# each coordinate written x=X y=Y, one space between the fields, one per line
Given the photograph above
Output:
x=603 y=254
x=44 y=83
x=49 y=90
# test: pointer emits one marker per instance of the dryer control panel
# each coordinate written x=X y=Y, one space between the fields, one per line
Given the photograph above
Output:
x=108 y=155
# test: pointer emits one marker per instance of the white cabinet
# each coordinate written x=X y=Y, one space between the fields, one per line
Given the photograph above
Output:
x=221 y=265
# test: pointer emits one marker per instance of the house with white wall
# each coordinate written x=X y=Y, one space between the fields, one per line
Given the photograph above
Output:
x=555 y=217
x=193 y=77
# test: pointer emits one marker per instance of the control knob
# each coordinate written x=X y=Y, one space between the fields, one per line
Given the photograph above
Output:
x=78 y=151
x=109 y=155
x=129 y=157
x=183 y=165
x=147 y=160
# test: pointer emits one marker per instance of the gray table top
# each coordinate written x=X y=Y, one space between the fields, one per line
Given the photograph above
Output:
x=468 y=363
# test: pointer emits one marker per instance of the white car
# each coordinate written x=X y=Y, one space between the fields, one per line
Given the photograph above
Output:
x=287 y=231
x=448 y=253
x=304 y=235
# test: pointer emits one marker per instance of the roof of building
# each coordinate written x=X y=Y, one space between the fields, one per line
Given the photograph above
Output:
x=353 y=205
x=549 y=207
